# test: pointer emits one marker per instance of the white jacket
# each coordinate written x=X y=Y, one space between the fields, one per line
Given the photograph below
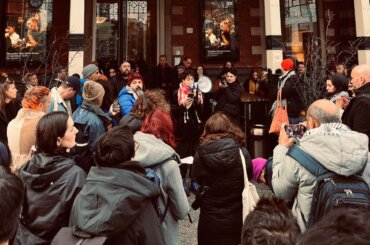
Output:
x=335 y=146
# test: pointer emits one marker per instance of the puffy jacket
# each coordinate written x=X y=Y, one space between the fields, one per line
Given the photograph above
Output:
x=126 y=100
x=151 y=151
x=335 y=146
x=217 y=164
x=116 y=202
x=51 y=185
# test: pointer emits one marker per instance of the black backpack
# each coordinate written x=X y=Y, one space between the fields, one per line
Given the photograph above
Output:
x=332 y=190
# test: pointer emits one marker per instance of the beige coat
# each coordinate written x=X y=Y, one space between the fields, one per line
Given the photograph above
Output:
x=22 y=136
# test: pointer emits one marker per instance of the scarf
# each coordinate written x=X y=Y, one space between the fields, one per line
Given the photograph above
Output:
x=87 y=105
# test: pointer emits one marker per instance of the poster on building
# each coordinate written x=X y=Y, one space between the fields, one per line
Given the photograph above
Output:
x=27 y=24
x=219 y=34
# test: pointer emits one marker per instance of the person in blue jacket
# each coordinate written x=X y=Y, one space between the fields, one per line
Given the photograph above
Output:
x=128 y=95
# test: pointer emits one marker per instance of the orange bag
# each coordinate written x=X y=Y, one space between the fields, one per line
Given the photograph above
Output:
x=280 y=116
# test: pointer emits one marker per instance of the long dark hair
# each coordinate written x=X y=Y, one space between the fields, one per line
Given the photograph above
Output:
x=219 y=126
x=340 y=83
x=51 y=126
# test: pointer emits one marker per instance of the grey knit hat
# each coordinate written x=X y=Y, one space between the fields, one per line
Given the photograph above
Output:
x=93 y=92
x=88 y=70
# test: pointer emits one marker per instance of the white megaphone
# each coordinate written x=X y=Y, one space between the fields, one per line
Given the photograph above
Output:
x=204 y=84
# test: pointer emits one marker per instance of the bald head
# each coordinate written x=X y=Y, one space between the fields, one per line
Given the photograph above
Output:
x=360 y=75
x=324 y=111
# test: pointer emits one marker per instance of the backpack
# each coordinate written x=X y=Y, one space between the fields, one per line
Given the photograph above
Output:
x=332 y=190
x=152 y=176
x=81 y=153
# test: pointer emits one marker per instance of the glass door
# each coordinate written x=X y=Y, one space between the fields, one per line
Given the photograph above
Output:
x=124 y=31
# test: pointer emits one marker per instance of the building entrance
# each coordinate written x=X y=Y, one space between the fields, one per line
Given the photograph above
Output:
x=125 y=30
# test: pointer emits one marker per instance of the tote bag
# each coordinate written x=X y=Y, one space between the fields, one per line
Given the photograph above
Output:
x=249 y=195
x=280 y=116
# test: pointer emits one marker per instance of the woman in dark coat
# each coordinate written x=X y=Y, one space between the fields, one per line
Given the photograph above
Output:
x=228 y=96
x=218 y=167
x=52 y=181
x=9 y=105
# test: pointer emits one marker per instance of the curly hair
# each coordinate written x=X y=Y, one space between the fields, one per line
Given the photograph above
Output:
x=148 y=102
x=219 y=126
x=34 y=96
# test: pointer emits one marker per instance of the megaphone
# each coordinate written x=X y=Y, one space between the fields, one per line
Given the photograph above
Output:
x=204 y=84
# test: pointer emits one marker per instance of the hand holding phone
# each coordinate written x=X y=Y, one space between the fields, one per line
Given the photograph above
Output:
x=295 y=130
x=190 y=95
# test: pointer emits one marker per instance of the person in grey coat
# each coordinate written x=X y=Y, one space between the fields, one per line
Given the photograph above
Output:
x=117 y=200
x=154 y=148
x=333 y=144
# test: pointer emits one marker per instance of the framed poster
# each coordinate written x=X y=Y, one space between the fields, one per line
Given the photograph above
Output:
x=27 y=25
x=219 y=35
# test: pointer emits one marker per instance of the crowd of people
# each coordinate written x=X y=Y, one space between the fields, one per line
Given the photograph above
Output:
x=102 y=155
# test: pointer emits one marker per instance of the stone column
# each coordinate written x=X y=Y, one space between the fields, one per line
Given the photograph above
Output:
x=274 y=47
x=362 y=16
x=76 y=36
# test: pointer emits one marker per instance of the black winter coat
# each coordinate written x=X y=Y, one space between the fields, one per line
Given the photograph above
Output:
x=290 y=92
x=217 y=164
x=356 y=116
x=11 y=111
x=228 y=100
x=52 y=183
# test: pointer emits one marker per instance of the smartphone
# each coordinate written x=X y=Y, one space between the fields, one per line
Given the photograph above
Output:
x=115 y=106
x=295 y=130
x=190 y=95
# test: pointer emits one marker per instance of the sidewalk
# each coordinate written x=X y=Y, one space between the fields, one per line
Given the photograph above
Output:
x=188 y=231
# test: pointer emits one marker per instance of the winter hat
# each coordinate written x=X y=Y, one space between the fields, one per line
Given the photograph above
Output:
x=258 y=166
x=287 y=64
x=74 y=82
x=93 y=92
x=88 y=70
x=134 y=76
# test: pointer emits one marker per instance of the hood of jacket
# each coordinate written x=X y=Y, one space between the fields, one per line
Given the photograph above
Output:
x=126 y=90
x=112 y=199
x=151 y=150
x=43 y=170
x=220 y=154
x=338 y=148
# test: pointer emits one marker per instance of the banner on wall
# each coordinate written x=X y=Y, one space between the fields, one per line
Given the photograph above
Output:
x=219 y=34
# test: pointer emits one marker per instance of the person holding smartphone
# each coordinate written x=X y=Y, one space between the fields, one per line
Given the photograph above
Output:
x=188 y=123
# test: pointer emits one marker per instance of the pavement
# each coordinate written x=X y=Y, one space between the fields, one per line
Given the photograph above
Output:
x=188 y=231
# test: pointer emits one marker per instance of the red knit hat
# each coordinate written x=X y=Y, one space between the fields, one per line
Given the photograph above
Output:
x=134 y=76
x=287 y=64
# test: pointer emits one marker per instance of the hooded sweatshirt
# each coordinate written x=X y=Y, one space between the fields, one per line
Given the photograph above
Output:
x=335 y=146
x=116 y=202
x=151 y=151
x=51 y=183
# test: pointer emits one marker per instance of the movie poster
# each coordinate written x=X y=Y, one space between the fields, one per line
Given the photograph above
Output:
x=219 y=30
x=27 y=24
